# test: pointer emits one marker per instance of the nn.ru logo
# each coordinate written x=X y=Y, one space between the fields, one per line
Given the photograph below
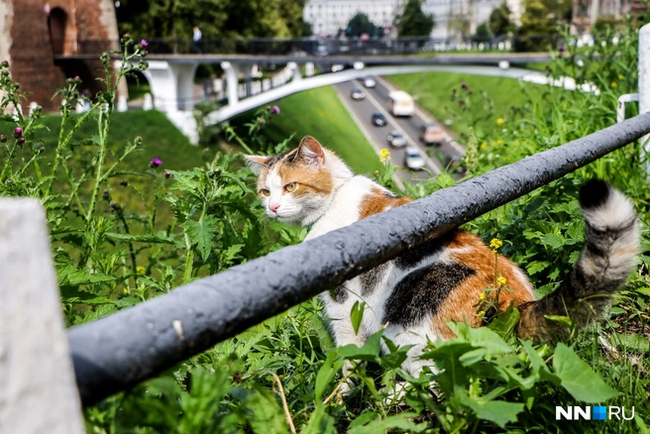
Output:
x=574 y=412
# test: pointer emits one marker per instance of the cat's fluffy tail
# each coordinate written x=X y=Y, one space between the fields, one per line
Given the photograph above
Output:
x=611 y=247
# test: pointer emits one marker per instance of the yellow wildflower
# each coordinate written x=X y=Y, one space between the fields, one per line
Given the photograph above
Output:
x=501 y=281
x=482 y=296
x=483 y=145
x=500 y=122
x=384 y=155
x=495 y=244
x=614 y=85
x=621 y=77
x=140 y=269
x=125 y=291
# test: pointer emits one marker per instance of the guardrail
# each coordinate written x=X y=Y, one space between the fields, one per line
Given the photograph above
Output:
x=118 y=351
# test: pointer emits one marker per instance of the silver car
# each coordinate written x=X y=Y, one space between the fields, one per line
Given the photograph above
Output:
x=413 y=158
x=396 y=139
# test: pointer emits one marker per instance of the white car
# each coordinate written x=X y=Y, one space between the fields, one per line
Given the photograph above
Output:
x=413 y=158
x=396 y=139
x=369 y=82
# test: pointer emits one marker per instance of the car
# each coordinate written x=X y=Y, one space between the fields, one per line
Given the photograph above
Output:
x=379 y=119
x=338 y=67
x=413 y=158
x=357 y=94
x=396 y=139
x=432 y=134
x=369 y=82
x=451 y=163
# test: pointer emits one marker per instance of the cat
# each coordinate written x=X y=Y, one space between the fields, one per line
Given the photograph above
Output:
x=417 y=294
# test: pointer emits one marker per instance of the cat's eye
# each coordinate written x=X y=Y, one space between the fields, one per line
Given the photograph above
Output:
x=265 y=192
x=290 y=187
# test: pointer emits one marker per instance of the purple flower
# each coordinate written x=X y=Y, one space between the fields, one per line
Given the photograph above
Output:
x=124 y=183
x=464 y=85
x=168 y=175
x=276 y=109
x=268 y=107
x=3 y=138
x=144 y=43
x=155 y=162
x=21 y=140
x=18 y=132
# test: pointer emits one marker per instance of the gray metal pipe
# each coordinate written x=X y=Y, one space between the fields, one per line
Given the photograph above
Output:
x=123 y=349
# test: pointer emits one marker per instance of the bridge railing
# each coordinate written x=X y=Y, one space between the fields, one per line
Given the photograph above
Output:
x=318 y=47
x=118 y=351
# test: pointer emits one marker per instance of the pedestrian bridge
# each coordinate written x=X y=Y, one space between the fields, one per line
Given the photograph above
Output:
x=171 y=78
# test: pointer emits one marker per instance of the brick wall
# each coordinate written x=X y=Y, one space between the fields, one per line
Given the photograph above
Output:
x=31 y=46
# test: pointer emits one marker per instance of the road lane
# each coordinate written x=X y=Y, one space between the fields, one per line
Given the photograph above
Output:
x=377 y=100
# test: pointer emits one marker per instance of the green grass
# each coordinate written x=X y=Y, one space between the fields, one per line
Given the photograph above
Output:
x=491 y=98
x=319 y=113
x=160 y=138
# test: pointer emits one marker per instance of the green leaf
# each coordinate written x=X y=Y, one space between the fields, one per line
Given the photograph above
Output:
x=333 y=364
x=560 y=319
x=499 y=412
x=577 y=377
x=553 y=240
x=69 y=275
x=397 y=421
x=505 y=324
x=356 y=315
x=368 y=352
x=200 y=234
x=535 y=267
x=632 y=342
x=320 y=422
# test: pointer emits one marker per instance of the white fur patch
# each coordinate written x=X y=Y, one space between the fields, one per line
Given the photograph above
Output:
x=615 y=212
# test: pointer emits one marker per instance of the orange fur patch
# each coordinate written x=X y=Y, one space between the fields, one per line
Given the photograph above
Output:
x=379 y=200
x=308 y=179
x=461 y=304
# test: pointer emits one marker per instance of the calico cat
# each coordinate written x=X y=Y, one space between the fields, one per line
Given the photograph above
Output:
x=415 y=295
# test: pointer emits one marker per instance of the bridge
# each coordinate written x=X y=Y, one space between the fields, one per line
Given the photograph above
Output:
x=171 y=77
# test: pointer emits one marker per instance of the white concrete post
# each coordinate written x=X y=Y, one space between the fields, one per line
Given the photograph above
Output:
x=122 y=104
x=38 y=392
x=147 y=103
x=248 y=78
x=644 y=85
x=293 y=66
x=232 y=82
x=184 y=74
x=309 y=69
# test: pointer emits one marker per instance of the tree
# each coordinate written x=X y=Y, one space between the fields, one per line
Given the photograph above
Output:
x=499 y=21
x=358 y=25
x=413 y=21
x=483 y=33
x=540 y=24
x=215 y=18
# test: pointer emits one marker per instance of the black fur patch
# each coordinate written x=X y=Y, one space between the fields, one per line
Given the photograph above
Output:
x=430 y=247
x=371 y=278
x=339 y=294
x=593 y=194
x=420 y=293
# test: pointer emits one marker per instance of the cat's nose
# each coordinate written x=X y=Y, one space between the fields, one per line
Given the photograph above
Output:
x=274 y=207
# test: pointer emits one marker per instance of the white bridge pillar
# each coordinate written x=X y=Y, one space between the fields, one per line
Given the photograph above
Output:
x=232 y=82
x=172 y=84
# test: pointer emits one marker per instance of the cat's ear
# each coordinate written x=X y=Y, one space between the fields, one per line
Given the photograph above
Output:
x=310 y=151
x=256 y=162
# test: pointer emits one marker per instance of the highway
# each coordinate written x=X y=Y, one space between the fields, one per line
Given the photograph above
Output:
x=376 y=101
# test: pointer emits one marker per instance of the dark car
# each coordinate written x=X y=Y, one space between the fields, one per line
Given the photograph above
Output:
x=432 y=134
x=379 y=119
x=451 y=163
x=357 y=94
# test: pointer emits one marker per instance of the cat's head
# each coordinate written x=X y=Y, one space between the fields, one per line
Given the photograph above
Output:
x=297 y=186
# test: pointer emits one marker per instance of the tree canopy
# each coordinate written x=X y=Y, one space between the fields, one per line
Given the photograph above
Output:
x=412 y=21
x=360 y=24
x=499 y=22
x=215 y=18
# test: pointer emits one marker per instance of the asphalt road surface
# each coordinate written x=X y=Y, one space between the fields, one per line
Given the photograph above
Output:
x=377 y=101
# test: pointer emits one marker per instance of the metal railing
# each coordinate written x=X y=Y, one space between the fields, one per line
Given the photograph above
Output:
x=319 y=46
x=118 y=351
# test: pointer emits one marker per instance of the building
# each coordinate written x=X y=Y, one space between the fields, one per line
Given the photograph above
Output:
x=454 y=18
x=586 y=13
x=33 y=32
x=327 y=17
